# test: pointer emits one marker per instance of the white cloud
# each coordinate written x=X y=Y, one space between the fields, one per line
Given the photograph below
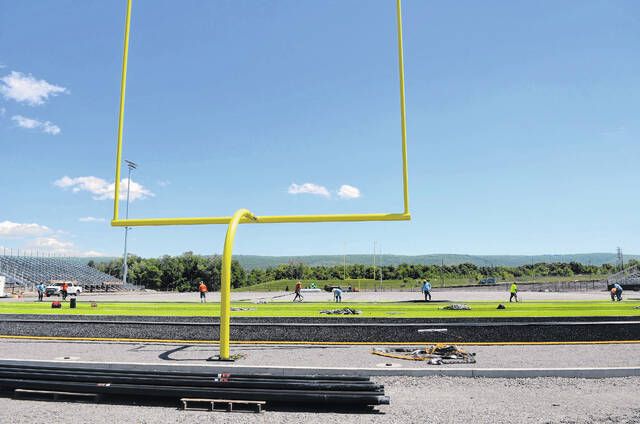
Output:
x=348 y=192
x=56 y=246
x=25 y=122
x=51 y=244
x=164 y=183
x=309 y=188
x=3 y=111
x=91 y=219
x=101 y=189
x=15 y=229
x=27 y=89
x=29 y=123
x=41 y=239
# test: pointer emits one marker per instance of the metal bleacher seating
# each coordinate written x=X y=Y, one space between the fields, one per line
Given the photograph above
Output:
x=27 y=271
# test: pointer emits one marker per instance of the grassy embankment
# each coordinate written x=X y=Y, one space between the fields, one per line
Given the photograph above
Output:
x=312 y=309
x=370 y=285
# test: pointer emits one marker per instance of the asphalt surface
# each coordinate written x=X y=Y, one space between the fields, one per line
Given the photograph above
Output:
x=413 y=400
x=329 y=330
x=513 y=356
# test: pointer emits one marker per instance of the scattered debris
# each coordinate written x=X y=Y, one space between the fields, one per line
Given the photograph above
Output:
x=94 y=305
x=501 y=306
x=434 y=355
x=260 y=301
x=343 y=311
x=457 y=307
x=243 y=309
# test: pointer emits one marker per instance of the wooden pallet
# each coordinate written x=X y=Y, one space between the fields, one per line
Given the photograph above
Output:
x=197 y=404
x=55 y=395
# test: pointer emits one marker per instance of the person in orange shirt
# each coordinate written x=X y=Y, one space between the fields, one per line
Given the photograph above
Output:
x=63 y=290
x=202 y=288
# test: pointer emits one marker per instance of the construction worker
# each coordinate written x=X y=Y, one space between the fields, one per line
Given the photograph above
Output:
x=202 y=288
x=40 y=288
x=337 y=294
x=616 y=292
x=63 y=290
x=426 y=289
x=297 y=292
x=514 y=292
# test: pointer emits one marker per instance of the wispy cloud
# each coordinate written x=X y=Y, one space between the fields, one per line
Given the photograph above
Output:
x=30 y=123
x=17 y=229
x=309 y=188
x=42 y=239
x=91 y=219
x=57 y=246
x=103 y=190
x=27 y=89
x=348 y=192
x=164 y=183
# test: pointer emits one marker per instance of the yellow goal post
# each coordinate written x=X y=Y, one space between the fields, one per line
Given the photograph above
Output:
x=261 y=219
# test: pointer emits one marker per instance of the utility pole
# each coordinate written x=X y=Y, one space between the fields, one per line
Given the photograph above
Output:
x=125 y=266
x=620 y=259
x=374 y=264
x=442 y=271
x=380 y=263
x=344 y=262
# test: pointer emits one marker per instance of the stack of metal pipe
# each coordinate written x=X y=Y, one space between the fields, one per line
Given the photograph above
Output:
x=294 y=390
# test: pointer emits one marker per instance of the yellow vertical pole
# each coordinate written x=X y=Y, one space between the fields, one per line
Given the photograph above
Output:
x=225 y=281
x=123 y=88
x=403 y=114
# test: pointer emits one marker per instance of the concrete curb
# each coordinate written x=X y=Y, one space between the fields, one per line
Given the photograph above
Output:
x=608 y=372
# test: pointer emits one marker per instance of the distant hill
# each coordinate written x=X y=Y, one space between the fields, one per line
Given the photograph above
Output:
x=256 y=261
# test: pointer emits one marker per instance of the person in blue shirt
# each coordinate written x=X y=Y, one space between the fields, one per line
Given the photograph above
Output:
x=40 y=290
x=618 y=288
x=337 y=294
x=426 y=289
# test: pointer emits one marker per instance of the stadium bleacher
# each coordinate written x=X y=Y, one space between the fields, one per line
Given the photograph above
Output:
x=24 y=272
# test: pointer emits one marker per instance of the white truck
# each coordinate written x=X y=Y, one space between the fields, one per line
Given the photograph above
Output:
x=55 y=288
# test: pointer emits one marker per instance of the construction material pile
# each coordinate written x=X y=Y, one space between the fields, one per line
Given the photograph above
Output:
x=343 y=311
x=457 y=307
x=433 y=355
x=305 y=389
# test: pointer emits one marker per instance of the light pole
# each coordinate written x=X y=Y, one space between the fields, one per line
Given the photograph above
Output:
x=125 y=267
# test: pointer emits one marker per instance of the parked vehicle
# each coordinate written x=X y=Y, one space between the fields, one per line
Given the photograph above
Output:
x=489 y=280
x=55 y=288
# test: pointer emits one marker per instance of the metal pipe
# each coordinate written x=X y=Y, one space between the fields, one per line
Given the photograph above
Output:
x=123 y=88
x=301 y=396
x=264 y=219
x=403 y=113
x=225 y=283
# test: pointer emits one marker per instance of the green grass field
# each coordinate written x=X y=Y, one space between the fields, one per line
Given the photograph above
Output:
x=370 y=285
x=312 y=309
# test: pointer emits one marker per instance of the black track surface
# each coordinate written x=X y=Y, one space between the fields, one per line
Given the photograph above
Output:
x=372 y=330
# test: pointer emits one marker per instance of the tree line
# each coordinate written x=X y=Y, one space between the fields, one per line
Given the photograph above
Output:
x=183 y=272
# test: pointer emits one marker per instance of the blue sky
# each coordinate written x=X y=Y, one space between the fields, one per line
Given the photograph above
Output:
x=522 y=124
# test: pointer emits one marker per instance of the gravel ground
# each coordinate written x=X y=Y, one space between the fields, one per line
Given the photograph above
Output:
x=545 y=356
x=438 y=294
x=413 y=400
